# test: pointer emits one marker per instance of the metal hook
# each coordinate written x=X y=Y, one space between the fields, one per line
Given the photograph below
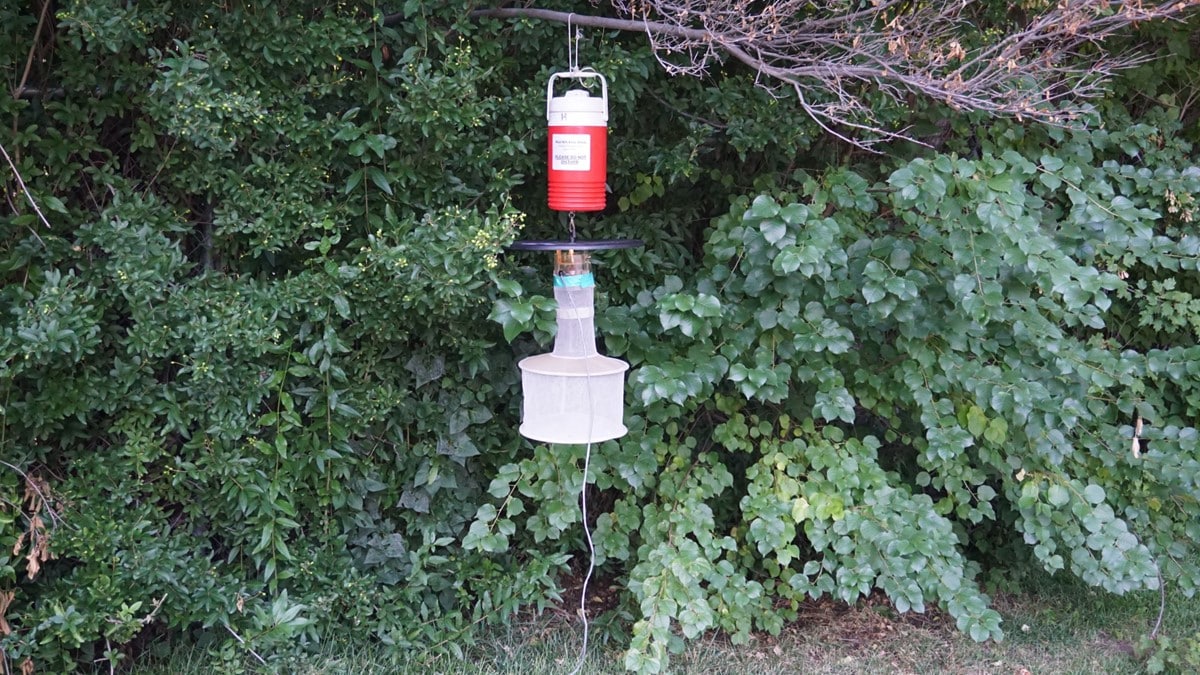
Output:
x=573 y=44
x=571 y=225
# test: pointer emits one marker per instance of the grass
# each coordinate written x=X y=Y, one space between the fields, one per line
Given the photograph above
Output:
x=1051 y=627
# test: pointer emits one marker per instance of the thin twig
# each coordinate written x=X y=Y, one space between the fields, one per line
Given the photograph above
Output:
x=157 y=606
x=1162 y=601
x=25 y=189
x=54 y=517
x=683 y=113
x=112 y=667
x=243 y=643
x=153 y=179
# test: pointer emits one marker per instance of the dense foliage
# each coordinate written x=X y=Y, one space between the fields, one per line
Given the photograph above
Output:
x=258 y=377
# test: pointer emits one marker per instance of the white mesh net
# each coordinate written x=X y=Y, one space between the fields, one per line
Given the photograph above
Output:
x=573 y=395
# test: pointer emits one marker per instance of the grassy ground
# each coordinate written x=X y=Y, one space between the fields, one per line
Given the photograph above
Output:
x=1051 y=628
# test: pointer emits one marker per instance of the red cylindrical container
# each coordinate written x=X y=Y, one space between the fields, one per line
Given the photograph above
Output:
x=577 y=152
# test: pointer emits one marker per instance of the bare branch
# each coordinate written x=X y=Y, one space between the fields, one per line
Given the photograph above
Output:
x=28 y=195
x=591 y=21
x=37 y=33
x=831 y=53
x=242 y=642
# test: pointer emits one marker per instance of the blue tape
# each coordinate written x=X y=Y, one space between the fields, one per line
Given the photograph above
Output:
x=574 y=280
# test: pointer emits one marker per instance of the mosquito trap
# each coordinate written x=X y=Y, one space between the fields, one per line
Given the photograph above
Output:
x=573 y=395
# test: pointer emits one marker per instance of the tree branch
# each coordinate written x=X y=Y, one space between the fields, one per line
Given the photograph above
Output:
x=28 y=195
x=589 y=21
x=37 y=34
x=830 y=52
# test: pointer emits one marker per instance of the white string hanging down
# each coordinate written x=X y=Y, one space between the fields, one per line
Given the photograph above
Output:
x=583 y=591
x=587 y=461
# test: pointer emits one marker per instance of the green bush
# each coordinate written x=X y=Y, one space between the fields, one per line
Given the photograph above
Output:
x=867 y=385
x=244 y=368
x=1171 y=655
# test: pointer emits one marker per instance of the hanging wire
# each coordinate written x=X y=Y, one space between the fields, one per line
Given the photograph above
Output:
x=573 y=39
x=573 y=45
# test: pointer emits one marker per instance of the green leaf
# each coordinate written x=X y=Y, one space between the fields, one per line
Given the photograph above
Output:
x=475 y=536
x=901 y=178
x=509 y=287
x=794 y=214
x=706 y=306
x=1002 y=183
x=773 y=231
x=800 y=509
x=787 y=261
x=876 y=271
x=976 y=421
x=1050 y=180
x=514 y=316
x=1051 y=163
x=341 y=305
x=379 y=179
x=996 y=431
x=763 y=208
x=52 y=203
x=872 y=292
x=1058 y=495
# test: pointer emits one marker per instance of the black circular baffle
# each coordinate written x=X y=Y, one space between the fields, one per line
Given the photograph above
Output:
x=580 y=245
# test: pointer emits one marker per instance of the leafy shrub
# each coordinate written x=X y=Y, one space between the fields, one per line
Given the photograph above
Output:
x=869 y=384
x=1170 y=655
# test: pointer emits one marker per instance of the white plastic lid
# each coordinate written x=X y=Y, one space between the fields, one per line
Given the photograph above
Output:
x=577 y=107
x=567 y=110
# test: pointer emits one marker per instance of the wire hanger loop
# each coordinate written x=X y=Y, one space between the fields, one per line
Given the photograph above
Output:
x=573 y=39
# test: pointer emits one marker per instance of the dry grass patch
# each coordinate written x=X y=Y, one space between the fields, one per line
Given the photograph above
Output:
x=1052 y=627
